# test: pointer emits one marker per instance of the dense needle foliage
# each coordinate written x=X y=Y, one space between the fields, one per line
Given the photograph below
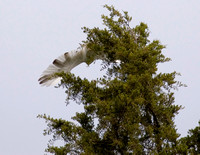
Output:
x=131 y=109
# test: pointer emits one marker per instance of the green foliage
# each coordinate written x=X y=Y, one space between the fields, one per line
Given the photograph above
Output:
x=191 y=143
x=132 y=105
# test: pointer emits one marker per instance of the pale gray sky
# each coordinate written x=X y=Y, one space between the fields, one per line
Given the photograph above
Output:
x=34 y=32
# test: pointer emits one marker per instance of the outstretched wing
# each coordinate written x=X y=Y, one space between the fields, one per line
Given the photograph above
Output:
x=64 y=63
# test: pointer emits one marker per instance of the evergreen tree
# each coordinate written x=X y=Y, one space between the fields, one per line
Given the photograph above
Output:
x=131 y=109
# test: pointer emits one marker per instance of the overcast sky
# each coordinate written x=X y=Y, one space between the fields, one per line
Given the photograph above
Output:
x=34 y=32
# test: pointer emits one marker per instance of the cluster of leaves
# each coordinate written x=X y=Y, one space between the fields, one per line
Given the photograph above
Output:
x=191 y=143
x=132 y=105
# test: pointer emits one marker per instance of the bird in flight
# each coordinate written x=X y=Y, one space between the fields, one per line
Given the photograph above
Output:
x=65 y=63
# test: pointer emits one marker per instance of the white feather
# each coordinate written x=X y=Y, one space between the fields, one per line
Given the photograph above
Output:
x=64 y=63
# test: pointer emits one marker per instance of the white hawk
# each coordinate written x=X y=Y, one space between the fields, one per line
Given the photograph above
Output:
x=65 y=63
